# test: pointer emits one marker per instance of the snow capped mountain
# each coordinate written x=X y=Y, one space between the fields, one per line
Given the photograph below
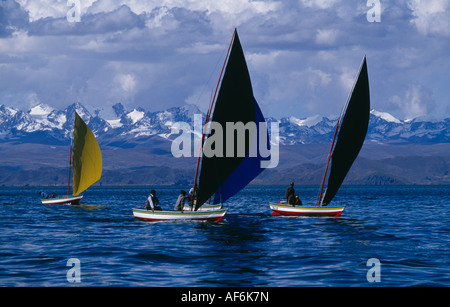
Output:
x=386 y=116
x=308 y=122
x=41 y=110
x=44 y=124
x=135 y=116
x=383 y=127
x=45 y=118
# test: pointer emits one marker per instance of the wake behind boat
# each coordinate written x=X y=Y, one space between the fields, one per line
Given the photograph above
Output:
x=222 y=176
x=351 y=130
x=87 y=164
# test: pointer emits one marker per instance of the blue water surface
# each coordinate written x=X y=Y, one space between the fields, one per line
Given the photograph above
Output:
x=406 y=228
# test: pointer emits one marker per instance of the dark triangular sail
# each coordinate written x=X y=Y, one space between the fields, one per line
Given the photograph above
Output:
x=226 y=175
x=351 y=135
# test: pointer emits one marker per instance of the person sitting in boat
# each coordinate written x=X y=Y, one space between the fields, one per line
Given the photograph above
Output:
x=297 y=201
x=152 y=202
x=190 y=197
x=43 y=195
x=180 y=201
x=53 y=195
x=294 y=201
x=290 y=191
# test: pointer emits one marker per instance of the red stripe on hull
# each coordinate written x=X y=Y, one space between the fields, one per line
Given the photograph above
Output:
x=286 y=213
x=75 y=202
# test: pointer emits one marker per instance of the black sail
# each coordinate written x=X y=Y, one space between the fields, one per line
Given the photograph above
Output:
x=351 y=135
x=225 y=175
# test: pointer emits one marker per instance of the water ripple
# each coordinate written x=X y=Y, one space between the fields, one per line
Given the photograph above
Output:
x=406 y=228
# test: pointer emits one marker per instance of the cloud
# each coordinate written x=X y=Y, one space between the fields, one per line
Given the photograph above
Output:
x=201 y=48
x=417 y=101
x=321 y=4
x=127 y=82
x=327 y=36
x=119 y=19
x=431 y=16
x=40 y=9
x=12 y=18
x=302 y=54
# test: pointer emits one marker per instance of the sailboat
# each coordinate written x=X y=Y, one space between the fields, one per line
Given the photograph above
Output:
x=351 y=130
x=87 y=164
x=222 y=175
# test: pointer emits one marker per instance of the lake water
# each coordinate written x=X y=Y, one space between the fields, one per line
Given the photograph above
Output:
x=406 y=229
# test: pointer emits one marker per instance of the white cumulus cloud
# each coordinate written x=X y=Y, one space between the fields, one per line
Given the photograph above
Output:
x=431 y=16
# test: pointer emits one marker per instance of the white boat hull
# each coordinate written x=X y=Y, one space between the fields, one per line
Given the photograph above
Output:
x=71 y=200
x=148 y=215
x=281 y=209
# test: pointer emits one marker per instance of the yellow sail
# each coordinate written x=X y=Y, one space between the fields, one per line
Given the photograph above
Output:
x=87 y=157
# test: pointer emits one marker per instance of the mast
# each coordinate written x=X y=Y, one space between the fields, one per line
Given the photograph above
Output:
x=70 y=156
x=208 y=114
x=328 y=162
x=70 y=166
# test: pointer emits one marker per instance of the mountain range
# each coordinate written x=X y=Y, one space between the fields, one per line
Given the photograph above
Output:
x=136 y=148
x=43 y=124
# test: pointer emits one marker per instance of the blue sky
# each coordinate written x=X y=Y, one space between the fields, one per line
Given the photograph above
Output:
x=302 y=54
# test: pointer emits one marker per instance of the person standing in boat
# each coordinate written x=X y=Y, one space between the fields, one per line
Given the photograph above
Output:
x=180 y=201
x=152 y=202
x=290 y=193
x=291 y=198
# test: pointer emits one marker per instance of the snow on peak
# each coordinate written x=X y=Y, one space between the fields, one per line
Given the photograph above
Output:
x=10 y=111
x=114 y=123
x=135 y=115
x=386 y=116
x=44 y=119
x=308 y=122
x=41 y=110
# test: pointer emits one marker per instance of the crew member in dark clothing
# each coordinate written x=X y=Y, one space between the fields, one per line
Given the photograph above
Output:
x=180 y=201
x=291 y=198
x=297 y=201
x=290 y=194
x=152 y=202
